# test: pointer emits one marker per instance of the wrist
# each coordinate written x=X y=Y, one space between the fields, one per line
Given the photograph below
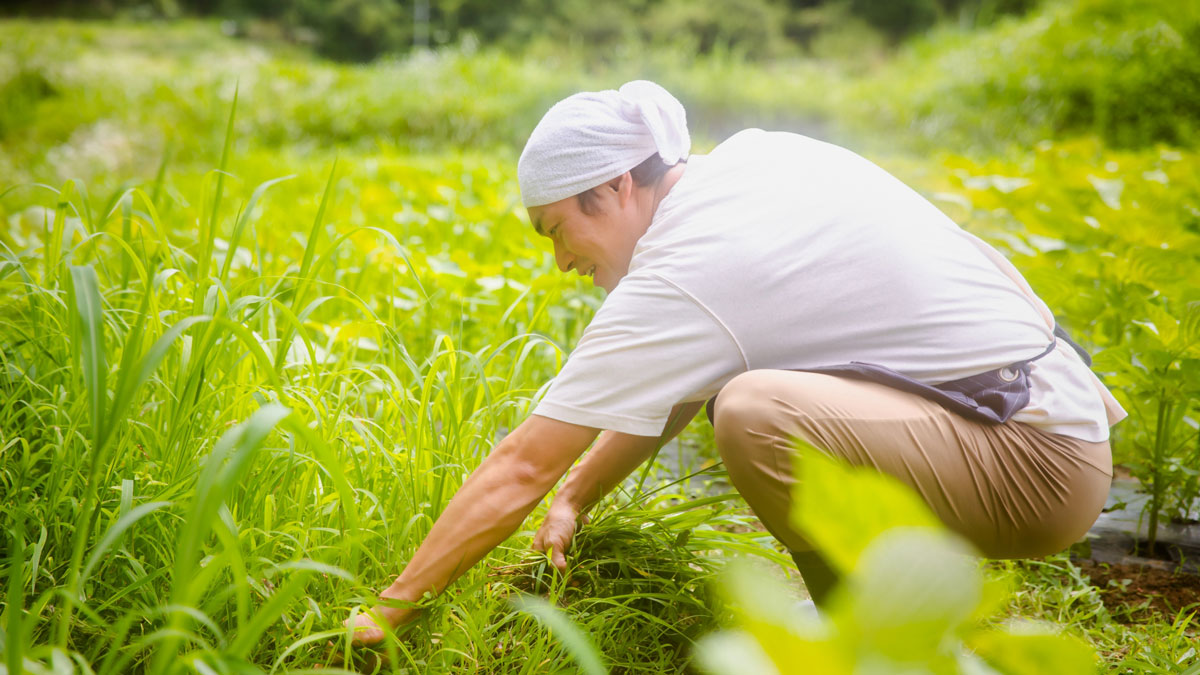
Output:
x=400 y=591
x=565 y=503
x=578 y=501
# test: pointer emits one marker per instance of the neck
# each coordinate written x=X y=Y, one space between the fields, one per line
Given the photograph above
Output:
x=670 y=178
x=650 y=198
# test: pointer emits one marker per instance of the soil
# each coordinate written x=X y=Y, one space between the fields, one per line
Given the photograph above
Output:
x=1136 y=593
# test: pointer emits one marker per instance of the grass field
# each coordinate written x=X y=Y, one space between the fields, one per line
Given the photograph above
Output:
x=261 y=316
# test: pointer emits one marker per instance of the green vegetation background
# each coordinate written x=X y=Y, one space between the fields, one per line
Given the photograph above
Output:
x=406 y=317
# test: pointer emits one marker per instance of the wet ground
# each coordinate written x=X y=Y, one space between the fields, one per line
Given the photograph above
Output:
x=1123 y=528
x=1135 y=593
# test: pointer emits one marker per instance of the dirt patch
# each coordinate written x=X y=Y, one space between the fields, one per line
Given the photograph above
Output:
x=1135 y=593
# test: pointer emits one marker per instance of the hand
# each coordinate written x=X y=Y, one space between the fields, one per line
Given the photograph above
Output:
x=368 y=632
x=556 y=532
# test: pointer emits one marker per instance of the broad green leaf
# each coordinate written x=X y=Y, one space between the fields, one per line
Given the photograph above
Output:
x=841 y=509
x=222 y=472
x=911 y=591
x=733 y=653
x=768 y=613
x=1189 y=329
x=1162 y=323
x=1029 y=650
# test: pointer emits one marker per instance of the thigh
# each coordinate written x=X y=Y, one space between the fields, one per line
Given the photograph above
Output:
x=1010 y=489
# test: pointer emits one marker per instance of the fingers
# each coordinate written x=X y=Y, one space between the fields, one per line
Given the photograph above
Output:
x=366 y=632
x=540 y=538
x=554 y=543
x=555 y=535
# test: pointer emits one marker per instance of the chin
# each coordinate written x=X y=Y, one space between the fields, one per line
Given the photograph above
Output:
x=599 y=281
x=606 y=282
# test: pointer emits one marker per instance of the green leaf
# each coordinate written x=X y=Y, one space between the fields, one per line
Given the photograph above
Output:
x=733 y=653
x=110 y=537
x=767 y=611
x=13 y=638
x=272 y=610
x=1189 y=329
x=133 y=377
x=89 y=341
x=841 y=509
x=911 y=591
x=242 y=220
x=577 y=643
x=222 y=472
x=1162 y=322
x=1030 y=650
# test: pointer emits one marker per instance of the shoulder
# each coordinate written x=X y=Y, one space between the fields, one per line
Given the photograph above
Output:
x=753 y=152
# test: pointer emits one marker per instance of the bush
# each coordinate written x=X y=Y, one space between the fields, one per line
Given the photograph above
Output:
x=899 y=17
x=1127 y=70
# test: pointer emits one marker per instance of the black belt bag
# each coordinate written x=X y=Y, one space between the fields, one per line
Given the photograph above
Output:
x=992 y=397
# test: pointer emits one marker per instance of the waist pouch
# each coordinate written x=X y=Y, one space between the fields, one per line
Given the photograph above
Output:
x=991 y=397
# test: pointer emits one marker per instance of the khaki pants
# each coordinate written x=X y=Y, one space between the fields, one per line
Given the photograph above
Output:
x=1010 y=489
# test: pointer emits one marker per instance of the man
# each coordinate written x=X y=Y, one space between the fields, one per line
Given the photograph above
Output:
x=804 y=293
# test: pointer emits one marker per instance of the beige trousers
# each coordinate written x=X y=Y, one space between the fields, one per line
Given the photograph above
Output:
x=1010 y=489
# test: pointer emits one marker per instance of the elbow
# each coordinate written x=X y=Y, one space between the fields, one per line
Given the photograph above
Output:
x=521 y=466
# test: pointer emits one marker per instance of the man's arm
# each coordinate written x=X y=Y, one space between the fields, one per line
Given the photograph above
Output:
x=489 y=507
x=614 y=457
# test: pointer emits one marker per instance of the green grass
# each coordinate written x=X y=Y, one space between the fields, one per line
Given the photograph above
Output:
x=247 y=356
x=232 y=412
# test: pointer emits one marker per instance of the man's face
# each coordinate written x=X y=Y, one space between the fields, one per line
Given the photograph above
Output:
x=599 y=245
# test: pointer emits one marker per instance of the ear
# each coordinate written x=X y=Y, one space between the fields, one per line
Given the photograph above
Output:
x=623 y=187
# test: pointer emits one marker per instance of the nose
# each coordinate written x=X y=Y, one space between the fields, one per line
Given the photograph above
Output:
x=563 y=259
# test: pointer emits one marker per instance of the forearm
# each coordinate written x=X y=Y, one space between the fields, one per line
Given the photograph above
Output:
x=489 y=507
x=613 y=458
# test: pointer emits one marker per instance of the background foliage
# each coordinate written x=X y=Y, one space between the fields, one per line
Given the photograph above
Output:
x=364 y=29
x=246 y=358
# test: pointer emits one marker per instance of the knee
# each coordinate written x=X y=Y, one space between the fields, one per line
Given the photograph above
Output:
x=742 y=411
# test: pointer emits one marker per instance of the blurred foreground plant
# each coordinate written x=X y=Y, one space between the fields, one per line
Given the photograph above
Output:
x=913 y=599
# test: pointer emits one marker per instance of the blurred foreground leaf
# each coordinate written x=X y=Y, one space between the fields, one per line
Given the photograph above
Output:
x=913 y=597
x=841 y=511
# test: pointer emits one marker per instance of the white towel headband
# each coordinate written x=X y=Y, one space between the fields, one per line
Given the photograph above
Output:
x=592 y=137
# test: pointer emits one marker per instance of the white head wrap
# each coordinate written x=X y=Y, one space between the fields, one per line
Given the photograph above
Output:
x=593 y=137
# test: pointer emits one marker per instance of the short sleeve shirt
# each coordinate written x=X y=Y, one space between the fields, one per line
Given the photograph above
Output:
x=779 y=251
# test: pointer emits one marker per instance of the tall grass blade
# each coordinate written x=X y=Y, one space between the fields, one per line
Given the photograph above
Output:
x=89 y=341
x=161 y=175
x=252 y=630
x=310 y=249
x=114 y=533
x=15 y=600
x=209 y=234
x=577 y=643
x=133 y=377
x=222 y=473
x=235 y=238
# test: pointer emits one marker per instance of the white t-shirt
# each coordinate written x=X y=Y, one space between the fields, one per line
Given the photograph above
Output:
x=780 y=251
